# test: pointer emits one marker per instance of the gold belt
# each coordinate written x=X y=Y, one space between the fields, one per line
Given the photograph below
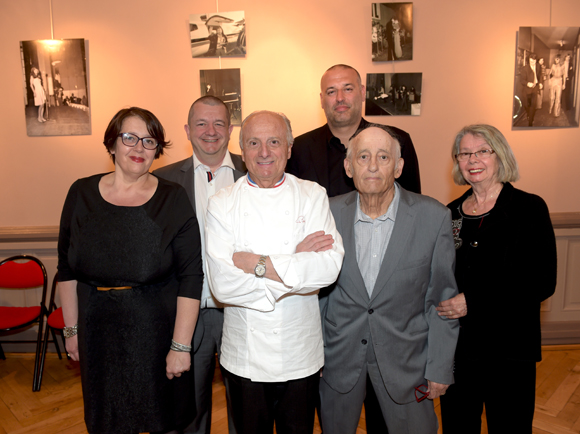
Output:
x=109 y=288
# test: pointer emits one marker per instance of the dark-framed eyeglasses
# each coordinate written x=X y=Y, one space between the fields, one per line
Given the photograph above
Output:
x=421 y=393
x=484 y=154
x=131 y=140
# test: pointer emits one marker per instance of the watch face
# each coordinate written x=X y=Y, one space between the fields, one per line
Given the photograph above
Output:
x=260 y=270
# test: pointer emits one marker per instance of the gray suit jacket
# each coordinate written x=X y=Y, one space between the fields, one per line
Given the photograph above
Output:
x=411 y=342
x=182 y=173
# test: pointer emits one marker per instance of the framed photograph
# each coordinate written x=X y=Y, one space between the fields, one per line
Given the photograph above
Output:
x=392 y=31
x=546 y=78
x=221 y=34
x=226 y=85
x=56 y=88
x=394 y=94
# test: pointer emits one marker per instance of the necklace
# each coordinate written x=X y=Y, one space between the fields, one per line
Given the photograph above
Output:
x=475 y=204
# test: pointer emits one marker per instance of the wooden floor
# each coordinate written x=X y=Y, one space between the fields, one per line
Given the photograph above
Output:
x=58 y=407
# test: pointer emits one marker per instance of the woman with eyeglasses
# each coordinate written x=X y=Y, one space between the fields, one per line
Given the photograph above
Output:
x=505 y=267
x=130 y=279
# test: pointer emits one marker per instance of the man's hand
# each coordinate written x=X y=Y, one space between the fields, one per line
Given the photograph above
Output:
x=177 y=363
x=315 y=242
x=435 y=390
x=246 y=261
x=530 y=84
x=453 y=308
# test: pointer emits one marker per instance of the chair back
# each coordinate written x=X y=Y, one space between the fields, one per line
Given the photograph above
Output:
x=20 y=275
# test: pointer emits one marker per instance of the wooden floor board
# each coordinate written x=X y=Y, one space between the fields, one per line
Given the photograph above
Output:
x=58 y=407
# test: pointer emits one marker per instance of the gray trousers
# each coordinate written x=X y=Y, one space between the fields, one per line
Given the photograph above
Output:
x=340 y=412
x=204 y=369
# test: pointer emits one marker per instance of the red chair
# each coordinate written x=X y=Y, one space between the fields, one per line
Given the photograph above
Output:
x=54 y=323
x=28 y=272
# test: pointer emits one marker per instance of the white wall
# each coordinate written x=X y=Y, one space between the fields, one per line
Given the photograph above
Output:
x=464 y=48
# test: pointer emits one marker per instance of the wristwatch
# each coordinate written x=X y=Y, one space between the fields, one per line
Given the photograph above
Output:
x=260 y=269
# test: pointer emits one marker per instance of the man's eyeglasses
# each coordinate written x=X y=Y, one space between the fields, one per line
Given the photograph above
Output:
x=484 y=154
x=131 y=140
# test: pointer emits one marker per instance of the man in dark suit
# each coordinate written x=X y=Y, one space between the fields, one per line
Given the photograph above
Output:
x=530 y=79
x=380 y=324
x=319 y=154
x=211 y=168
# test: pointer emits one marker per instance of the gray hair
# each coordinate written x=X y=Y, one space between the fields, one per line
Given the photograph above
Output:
x=507 y=165
x=289 y=137
x=385 y=128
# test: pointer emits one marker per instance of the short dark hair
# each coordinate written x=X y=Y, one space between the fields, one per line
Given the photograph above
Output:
x=209 y=100
x=154 y=128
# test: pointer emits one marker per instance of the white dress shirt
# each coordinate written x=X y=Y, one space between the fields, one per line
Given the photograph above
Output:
x=272 y=331
x=205 y=189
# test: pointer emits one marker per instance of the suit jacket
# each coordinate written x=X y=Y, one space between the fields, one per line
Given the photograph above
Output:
x=411 y=342
x=182 y=173
x=527 y=76
x=309 y=159
x=515 y=262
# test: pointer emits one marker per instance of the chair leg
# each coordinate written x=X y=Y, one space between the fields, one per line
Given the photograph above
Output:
x=35 y=381
x=55 y=343
x=2 y=356
x=42 y=358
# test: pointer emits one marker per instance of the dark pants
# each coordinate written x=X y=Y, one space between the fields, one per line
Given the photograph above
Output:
x=257 y=405
x=531 y=101
x=506 y=387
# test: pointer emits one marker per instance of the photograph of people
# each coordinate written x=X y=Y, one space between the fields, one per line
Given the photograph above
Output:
x=392 y=31
x=130 y=279
x=497 y=261
x=545 y=87
x=221 y=34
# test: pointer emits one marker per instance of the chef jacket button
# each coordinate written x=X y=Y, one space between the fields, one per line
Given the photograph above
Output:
x=275 y=331
x=287 y=212
x=245 y=243
x=364 y=342
x=245 y=213
x=252 y=329
x=286 y=242
x=371 y=311
x=474 y=244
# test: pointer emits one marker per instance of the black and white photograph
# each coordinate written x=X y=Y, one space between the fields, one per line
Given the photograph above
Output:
x=392 y=31
x=220 y=34
x=226 y=85
x=394 y=94
x=546 y=78
x=56 y=88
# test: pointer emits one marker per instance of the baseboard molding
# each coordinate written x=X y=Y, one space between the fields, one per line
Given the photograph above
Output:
x=561 y=333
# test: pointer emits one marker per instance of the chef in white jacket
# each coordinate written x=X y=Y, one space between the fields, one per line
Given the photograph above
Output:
x=271 y=244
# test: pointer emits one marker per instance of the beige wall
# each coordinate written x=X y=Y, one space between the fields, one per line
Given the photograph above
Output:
x=138 y=54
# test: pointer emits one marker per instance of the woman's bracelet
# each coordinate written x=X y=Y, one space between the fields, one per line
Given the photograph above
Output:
x=69 y=332
x=180 y=348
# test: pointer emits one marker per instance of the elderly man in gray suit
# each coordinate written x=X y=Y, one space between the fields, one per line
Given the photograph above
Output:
x=210 y=169
x=380 y=323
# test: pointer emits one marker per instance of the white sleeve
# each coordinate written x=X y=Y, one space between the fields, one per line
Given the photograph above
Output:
x=301 y=273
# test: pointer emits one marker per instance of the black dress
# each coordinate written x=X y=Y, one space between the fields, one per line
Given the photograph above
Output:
x=125 y=335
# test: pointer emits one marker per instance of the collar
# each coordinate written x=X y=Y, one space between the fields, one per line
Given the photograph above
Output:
x=329 y=136
x=278 y=184
x=226 y=162
x=391 y=211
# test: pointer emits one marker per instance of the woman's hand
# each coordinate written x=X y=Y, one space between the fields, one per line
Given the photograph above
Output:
x=72 y=347
x=453 y=308
x=177 y=363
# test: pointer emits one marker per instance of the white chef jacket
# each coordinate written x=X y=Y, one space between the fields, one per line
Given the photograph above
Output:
x=272 y=331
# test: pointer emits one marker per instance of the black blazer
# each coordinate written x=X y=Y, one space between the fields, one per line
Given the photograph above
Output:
x=505 y=277
x=309 y=158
